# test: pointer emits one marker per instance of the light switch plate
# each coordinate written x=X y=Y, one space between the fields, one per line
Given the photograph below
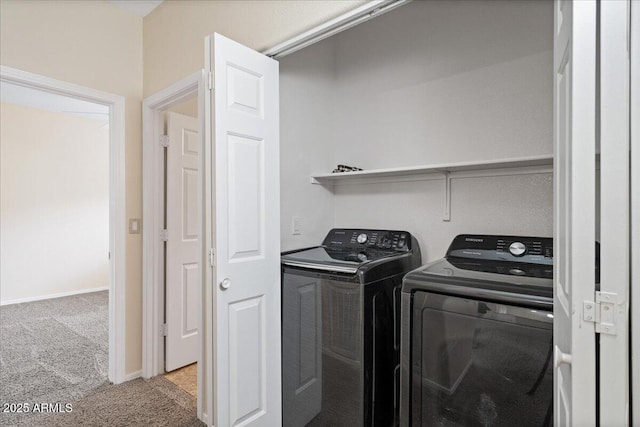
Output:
x=296 y=223
x=134 y=225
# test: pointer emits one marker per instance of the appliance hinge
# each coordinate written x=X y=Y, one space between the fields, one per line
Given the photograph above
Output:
x=164 y=329
x=210 y=80
x=164 y=140
x=212 y=258
x=164 y=235
x=602 y=312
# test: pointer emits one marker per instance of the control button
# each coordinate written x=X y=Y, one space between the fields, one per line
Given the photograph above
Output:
x=362 y=238
x=517 y=249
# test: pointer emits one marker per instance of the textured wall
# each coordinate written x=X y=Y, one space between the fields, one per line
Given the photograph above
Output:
x=307 y=103
x=453 y=81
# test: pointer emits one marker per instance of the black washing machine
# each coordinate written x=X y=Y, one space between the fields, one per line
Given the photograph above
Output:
x=477 y=335
x=341 y=328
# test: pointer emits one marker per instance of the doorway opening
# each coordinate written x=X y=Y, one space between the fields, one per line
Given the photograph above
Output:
x=172 y=293
x=63 y=233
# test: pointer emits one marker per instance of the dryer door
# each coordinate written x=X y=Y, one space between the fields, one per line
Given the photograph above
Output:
x=477 y=363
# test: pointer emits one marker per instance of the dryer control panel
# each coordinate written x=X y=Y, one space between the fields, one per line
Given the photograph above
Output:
x=533 y=250
x=355 y=238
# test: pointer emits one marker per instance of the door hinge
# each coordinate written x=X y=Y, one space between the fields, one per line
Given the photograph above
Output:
x=164 y=235
x=602 y=312
x=164 y=140
x=210 y=80
x=164 y=329
x=212 y=258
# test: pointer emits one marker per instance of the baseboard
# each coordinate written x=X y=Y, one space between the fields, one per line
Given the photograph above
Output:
x=52 y=296
x=132 y=376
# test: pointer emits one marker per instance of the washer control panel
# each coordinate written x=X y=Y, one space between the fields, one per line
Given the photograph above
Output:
x=390 y=240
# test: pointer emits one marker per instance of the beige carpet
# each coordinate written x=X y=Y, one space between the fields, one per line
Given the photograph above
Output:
x=154 y=402
x=56 y=351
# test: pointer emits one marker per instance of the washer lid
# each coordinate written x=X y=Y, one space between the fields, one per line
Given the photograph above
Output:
x=327 y=259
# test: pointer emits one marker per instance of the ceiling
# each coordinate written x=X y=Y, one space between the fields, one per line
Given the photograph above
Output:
x=137 y=7
x=15 y=94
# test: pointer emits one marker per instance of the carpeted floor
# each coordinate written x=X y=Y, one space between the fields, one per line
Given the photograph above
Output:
x=56 y=351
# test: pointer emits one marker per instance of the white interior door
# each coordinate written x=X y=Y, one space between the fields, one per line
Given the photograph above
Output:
x=574 y=211
x=244 y=205
x=182 y=277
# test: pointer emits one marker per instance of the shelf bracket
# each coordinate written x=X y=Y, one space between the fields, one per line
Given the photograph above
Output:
x=447 y=196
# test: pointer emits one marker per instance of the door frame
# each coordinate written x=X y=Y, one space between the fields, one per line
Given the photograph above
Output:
x=615 y=207
x=153 y=263
x=634 y=141
x=117 y=192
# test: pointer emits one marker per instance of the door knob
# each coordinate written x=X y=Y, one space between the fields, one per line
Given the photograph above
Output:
x=224 y=285
x=559 y=357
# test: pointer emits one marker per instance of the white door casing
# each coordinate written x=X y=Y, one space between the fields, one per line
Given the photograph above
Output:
x=182 y=262
x=614 y=209
x=243 y=225
x=635 y=203
x=574 y=211
x=117 y=212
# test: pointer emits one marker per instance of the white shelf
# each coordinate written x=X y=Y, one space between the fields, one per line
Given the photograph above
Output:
x=445 y=172
x=447 y=168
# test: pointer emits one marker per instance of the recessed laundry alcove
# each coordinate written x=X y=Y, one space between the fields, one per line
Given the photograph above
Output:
x=447 y=108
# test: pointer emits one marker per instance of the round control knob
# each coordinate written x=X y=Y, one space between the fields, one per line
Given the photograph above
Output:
x=362 y=238
x=517 y=249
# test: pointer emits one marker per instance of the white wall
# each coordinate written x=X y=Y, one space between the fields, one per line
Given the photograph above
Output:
x=444 y=81
x=54 y=203
x=307 y=101
x=432 y=82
